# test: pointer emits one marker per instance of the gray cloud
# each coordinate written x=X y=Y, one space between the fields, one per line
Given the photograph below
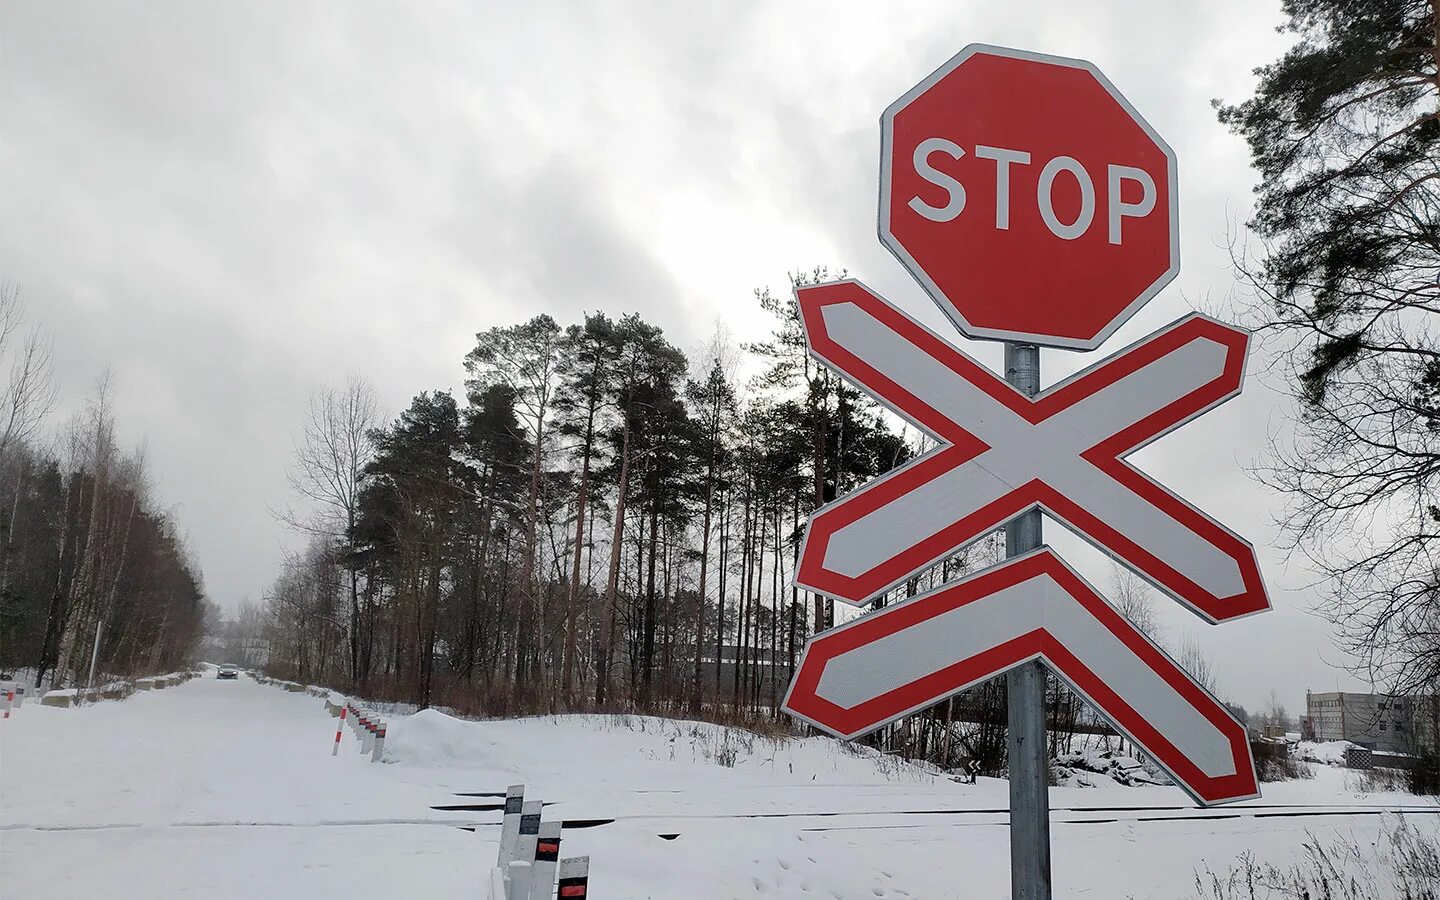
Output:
x=230 y=205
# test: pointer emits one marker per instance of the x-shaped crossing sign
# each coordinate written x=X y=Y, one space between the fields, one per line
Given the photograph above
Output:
x=1002 y=453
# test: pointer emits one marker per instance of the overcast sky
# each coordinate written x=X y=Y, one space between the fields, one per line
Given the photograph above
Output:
x=231 y=204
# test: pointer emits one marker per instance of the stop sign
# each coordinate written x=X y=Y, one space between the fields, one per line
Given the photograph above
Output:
x=1028 y=197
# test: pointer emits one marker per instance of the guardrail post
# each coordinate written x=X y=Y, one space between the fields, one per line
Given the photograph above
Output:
x=574 y=878
x=379 y=742
x=547 y=858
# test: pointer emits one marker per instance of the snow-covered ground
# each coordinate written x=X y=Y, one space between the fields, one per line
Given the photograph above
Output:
x=226 y=789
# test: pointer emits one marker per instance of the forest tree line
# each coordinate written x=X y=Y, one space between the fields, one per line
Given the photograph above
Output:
x=85 y=551
x=601 y=522
x=600 y=519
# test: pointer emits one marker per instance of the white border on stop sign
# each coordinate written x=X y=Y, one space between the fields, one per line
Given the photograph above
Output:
x=887 y=125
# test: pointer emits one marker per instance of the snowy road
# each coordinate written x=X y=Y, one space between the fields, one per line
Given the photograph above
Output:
x=214 y=789
x=227 y=790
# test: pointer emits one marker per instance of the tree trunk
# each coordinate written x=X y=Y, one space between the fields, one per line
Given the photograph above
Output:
x=704 y=572
x=647 y=651
x=572 y=604
x=607 y=628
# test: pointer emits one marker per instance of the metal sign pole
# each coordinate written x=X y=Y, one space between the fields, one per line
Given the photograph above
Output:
x=1029 y=763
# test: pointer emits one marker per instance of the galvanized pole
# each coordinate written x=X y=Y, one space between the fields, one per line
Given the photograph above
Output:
x=1029 y=762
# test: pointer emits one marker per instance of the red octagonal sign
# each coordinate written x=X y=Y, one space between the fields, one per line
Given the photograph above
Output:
x=1028 y=197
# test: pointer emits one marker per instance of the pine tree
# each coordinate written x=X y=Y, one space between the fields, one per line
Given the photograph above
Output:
x=1343 y=131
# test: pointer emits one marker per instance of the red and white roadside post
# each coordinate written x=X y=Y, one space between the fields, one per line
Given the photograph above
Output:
x=9 y=699
x=547 y=860
x=339 y=729
x=574 y=880
x=365 y=732
x=1036 y=207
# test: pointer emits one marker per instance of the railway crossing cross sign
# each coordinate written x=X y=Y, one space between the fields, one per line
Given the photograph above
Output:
x=1001 y=454
x=1035 y=206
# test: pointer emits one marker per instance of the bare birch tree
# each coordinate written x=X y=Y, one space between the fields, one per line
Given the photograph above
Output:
x=329 y=470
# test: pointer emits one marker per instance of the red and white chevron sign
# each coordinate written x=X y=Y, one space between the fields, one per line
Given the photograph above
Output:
x=1002 y=453
x=888 y=664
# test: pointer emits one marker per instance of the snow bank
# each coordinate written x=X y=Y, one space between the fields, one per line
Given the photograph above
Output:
x=1330 y=753
x=432 y=739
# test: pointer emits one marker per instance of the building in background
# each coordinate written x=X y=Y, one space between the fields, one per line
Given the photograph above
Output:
x=1381 y=722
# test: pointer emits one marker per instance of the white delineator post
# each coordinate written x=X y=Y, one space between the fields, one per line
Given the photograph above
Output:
x=522 y=866
x=547 y=858
x=517 y=880
x=9 y=700
x=526 y=839
x=574 y=879
x=510 y=825
x=339 y=728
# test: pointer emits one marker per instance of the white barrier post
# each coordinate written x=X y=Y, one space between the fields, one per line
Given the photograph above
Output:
x=518 y=879
x=365 y=733
x=339 y=727
x=510 y=825
x=379 y=742
x=525 y=843
x=574 y=878
x=19 y=695
x=547 y=858
x=9 y=699
x=529 y=827
x=497 y=884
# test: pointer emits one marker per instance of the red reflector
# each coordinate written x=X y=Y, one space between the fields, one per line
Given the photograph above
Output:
x=548 y=847
x=574 y=890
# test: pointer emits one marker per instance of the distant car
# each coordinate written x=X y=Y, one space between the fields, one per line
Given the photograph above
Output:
x=228 y=672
